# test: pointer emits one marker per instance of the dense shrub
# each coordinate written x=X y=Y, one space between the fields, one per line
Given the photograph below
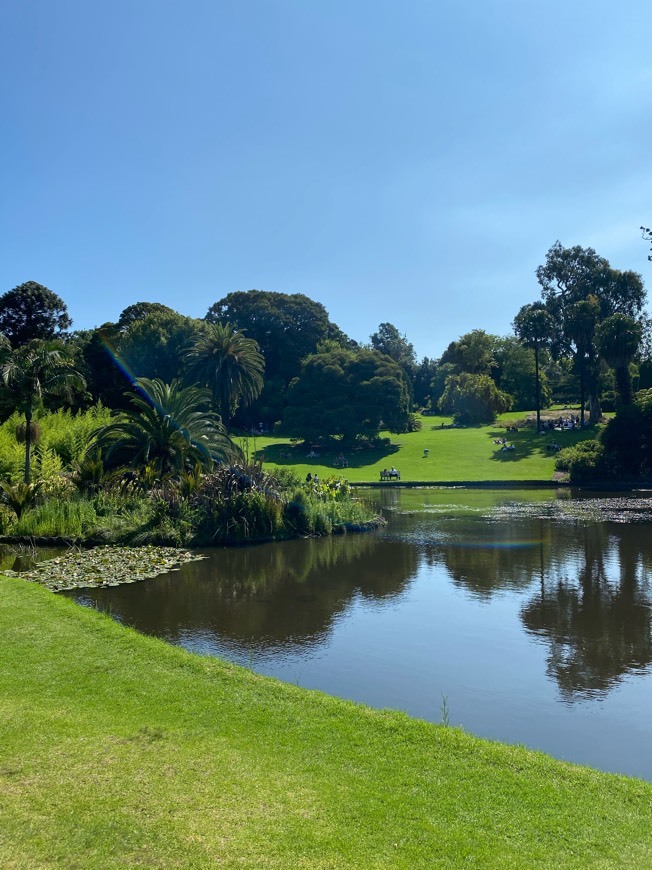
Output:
x=583 y=462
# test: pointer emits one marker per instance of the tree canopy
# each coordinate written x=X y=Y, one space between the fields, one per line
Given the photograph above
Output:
x=288 y=327
x=31 y=311
x=472 y=399
x=473 y=352
x=347 y=393
x=619 y=338
x=579 y=289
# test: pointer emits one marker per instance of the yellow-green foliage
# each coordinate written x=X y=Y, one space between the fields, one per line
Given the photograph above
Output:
x=64 y=439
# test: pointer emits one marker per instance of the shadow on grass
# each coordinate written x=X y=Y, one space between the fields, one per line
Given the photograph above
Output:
x=527 y=443
x=357 y=457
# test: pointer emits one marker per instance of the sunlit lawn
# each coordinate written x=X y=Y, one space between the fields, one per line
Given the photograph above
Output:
x=465 y=454
x=120 y=751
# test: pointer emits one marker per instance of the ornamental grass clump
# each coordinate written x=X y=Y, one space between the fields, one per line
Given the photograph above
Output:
x=236 y=504
x=57 y=518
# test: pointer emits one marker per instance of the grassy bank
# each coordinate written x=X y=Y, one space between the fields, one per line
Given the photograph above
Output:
x=118 y=750
x=453 y=454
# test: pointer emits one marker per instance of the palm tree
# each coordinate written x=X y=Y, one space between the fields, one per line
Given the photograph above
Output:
x=619 y=338
x=31 y=372
x=167 y=427
x=230 y=364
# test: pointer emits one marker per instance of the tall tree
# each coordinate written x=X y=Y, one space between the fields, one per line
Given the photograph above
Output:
x=533 y=327
x=425 y=372
x=388 y=340
x=581 y=319
x=150 y=343
x=516 y=375
x=619 y=338
x=31 y=311
x=139 y=311
x=347 y=393
x=571 y=276
x=288 y=327
x=30 y=373
x=230 y=364
x=473 y=352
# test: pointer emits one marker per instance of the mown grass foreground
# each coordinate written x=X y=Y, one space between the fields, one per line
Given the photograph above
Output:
x=120 y=751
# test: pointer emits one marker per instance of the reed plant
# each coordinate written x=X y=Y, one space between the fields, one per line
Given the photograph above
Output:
x=106 y=517
x=58 y=518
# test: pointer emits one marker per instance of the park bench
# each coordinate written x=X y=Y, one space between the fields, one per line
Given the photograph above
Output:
x=390 y=475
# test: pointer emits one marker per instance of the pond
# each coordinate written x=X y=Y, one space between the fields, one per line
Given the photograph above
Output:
x=522 y=616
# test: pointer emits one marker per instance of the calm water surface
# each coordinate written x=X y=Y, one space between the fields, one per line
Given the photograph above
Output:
x=527 y=614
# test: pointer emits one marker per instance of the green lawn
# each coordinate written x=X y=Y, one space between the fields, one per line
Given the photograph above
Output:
x=465 y=454
x=120 y=751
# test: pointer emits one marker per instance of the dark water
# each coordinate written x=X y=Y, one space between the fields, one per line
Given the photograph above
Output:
x=527 y=615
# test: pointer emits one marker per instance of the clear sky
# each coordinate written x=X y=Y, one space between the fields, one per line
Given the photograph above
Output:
x=408 y=161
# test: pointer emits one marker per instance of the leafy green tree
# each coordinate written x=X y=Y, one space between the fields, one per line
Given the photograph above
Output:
x=388 y=340
x=619 y=338
x=570 y=277
x=30 y=373
x=154 y=346
x=347 y=393
x=443 y=370
x=533 y=326
x=288 y=327
x=31 y=311
x=581 y=321
x=516 y=374
x=472 y=399
x=230 y=364
x=139 y=311
x=151 y=343
x=473 y=352
x=424 y=374
x=169 y=428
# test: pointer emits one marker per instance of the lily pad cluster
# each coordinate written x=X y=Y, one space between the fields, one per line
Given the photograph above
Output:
x=106 y=566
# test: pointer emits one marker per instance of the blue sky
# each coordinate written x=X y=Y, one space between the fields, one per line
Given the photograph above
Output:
x=408 y=162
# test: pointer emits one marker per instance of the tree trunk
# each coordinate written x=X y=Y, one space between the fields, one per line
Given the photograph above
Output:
x=623 y=385
x=595 y=409
x=28 y=441
x=536 y=374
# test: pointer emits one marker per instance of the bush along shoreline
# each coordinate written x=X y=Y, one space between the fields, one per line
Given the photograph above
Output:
x=236 y=504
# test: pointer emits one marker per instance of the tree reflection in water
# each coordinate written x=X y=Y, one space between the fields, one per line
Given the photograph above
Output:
x=272 y=596
x=597 y=624
x=592 y=606
x=585 y=582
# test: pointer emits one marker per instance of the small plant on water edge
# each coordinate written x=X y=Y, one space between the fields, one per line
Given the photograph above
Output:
x=445 y=712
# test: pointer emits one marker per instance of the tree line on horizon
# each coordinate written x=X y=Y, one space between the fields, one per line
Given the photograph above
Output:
x=277 y=359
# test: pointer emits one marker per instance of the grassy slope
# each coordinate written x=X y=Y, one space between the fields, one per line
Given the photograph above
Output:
x=454 y=454
x=117 y=750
